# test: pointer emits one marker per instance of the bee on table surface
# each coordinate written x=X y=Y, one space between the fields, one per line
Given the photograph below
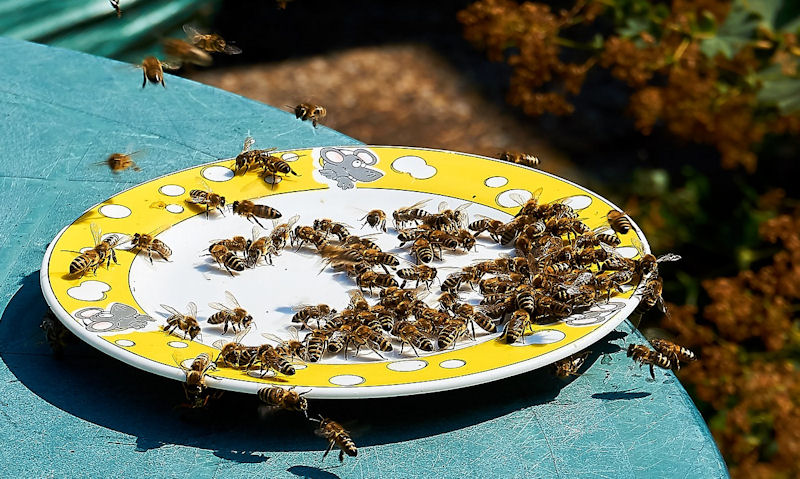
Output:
x=363 y=335
x=329 y=227
x=235 y=316
x=237 y=243
x=153 y=70
x=306 y=234
x=374 y=257
x=370 y=279
x=55 y=332
x=183 y=52
x=150 y=244
x=310 y=111
x=92 y=259
x=336 y=436
x=423 y=252
x=115 y=6
x=420 y=273
x=253 y=211
x=339 y=256
x=674 y=352
x=570 y=365
x=184 y=322
x=281 y=398
x=409 y=214
x=227 y=259
x=451 y=331
x=270 y=358
x=234 y=354
x=644 y=355
x=194 y=387
x=248 y=158
x=208 y=198
x=281 y=233
x=618 y=221
x=316 y=342
x=305 y=313
x=485 y=223
x=516 y=326
x=407 y=333
x=530 y=207
x=272 y=166
x=259 y=247
x=376 y=219
x=291 y=347
x=446 y=219
x=210 y=42
x=475 y=316
x=520 y=158
x=119 y=162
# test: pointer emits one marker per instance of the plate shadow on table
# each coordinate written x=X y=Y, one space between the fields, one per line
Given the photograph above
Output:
x=102 y=390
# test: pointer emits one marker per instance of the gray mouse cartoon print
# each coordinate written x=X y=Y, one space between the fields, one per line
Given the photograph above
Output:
x=348 y=168
x=118 y=317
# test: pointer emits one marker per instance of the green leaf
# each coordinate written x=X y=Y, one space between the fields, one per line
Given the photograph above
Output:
x=767 y=10
x=737 y=30
x=782 y=92
x=634 y=26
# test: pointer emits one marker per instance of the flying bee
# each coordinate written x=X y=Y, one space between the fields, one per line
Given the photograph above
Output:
x=336 y=436
x=253 y=211
x=210 y=42
x=421 y=273
x=647 y=263
x=408 y=333
x=208 y=198
x=184 y=52
x=288 y=348
x=194 y=387
x=644 y=355
x=376 y=219
x=227 y=259
x=281 y=398
x=115 y=6
x=270 y=358
x=674 y=352
x=310 y=111
x=153 y=70
x=408 y=214
x=185 y=322
x=650 y=296
x=146 y=242
x=619 y=221
x=570 y=365
x=235 y=316
x=516 y=326
x=92 y=259
x=119 y=162
x=305 y=313
x=519 y=158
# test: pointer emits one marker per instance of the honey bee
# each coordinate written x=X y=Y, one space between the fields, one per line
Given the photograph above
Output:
x=153 y=70
x=259 y=247
x=376 y=219
x=227 y=259
x=210 y=42
x=92 y=259
x=570 y=365
x=281 y=398
x=619 y=221
x=55 y=332
x=357 y=301
x=237 y=243
x=248 y=158
x=651 y=296
x=674 y=352
x=644 y=355
x=530 y=207
x=446 y=219
x=447 y=301
x=370 y=279
x=184 y=322
x=327 y=226
x=452 y=330
x=208 y=198
x=407 y=333
x=270 y=358
x=409 y=214
x=647 y=263
x=194 y=387
x=384 y=315
x=281 y=233
x=305 y=313
x=234 y=354
x=336 y=436
x=453 y=282
x=520 y=158
x=422 y=251
x=253 y=211
x=469 y=312
x=118 y=162
x=115 y=6
x=235 y=316
x=310 y=111
x=180 y=51
x=307 y=234
x=421 y=273
x=491 y=225
x=378 y=257
x=515 y=328
x=363 y=335
x=339 y=256
x=291 y=347
x=146 y=242
x=316 y=342
x=272 y=166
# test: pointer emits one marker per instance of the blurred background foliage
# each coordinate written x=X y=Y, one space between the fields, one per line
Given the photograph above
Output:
x=686 y=113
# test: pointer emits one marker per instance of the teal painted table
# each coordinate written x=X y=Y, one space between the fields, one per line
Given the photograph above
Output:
x=62 y=112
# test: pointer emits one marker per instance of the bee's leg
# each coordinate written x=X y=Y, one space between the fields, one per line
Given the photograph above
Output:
x=387 y=271
x=341 y=453
x=413 y=349
x=144 y=81
x=150 y=255
x=652 y=371
x=206 y=210
x=330 y=446
x=257 y=222
x=403 y=285
x=221 y=211
x=114 y=256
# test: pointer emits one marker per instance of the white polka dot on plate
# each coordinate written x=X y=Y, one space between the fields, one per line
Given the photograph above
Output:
x=173 y=208
x=177 y=344
x=262 y=374
x=125 y=343
x=627 y=251
x=115 y=211
x=217 y=173
x=289 y=157
x=545 y=336
x=513 y=198
x=102 y=325
x=452 y=363
x=89 y=291
x=407 y=366
x=172 y=190
x=272 y=180
x=298 y=367
x=346 y=380
x=578 y=202
x=496 y=181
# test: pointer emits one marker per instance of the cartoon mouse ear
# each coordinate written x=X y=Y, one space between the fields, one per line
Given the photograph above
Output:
x=366 y=156
x=332 y=154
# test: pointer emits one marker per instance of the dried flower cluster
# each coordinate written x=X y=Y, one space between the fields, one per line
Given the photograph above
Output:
x=701 y=92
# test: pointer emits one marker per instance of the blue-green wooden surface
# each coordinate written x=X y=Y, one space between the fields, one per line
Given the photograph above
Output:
x=88 y=415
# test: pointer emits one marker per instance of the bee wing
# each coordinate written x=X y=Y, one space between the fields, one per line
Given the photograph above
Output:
x=171 y=310
x=418 y=204
x=232 y=299
x=219 y=307
x=442 y=206
x=248 y=142
x=300 y=307
x=219 y=343
x=272 y=337
x=171 y=65
x=241 y=334
x=518 y=198
x=292 y=221
x=638 y=245
x=293 y=332
x=603 y=228
x=231 y=49
x=668 y=257
x=97 y=233
x=537 y=193
x=192 y=33
x=204 y=184
x=179 y=363
x=611 y=251
x=256 y=232
x=192 y=309
x=463 y=207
